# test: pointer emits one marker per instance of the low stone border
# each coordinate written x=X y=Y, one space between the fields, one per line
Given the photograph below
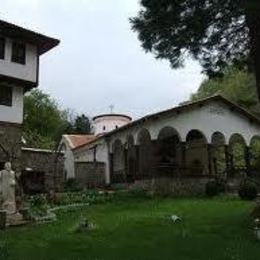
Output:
x=51 y=216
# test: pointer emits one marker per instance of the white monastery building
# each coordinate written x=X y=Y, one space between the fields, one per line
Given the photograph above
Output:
x=181 y=141
x=102 y=124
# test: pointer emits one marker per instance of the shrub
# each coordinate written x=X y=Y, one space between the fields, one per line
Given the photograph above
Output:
x=38 y=205
x=72 y=185
x=247 y=190
x=138 y=193
x=91 y=197
x=215 y=187
x=256 y=212
x=212 y=188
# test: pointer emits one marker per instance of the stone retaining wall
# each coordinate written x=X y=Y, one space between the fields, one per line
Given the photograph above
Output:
x=46 y=163
x=184 y=186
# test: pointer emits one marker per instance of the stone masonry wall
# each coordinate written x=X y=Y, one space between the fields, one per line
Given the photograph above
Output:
x=90 y=174
x=48 y=163
x=10 y=144
x=184 y=186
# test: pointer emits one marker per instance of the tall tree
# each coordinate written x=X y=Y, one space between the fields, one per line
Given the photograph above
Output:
x=82 y=125
x=218 y=33
x=236 y=85
x=44 y=122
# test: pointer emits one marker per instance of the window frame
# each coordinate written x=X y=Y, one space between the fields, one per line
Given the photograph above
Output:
x=8 y=99
x=3 y=46
x=16 y=48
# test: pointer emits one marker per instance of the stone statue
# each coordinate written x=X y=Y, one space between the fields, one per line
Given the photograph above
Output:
x=7 y=189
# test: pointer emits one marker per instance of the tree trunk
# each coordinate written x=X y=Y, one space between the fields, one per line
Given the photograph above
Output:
x=253 y=23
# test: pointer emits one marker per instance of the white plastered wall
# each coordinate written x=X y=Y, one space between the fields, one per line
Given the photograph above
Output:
x=212 y=117
x=14 y=113
x=109 y=123
x=28 y=71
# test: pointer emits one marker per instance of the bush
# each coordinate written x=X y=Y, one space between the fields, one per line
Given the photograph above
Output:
x=91 y=197
x=256 y=212
x=38 y=205
x=215 y=187
x=212 y=189
x=72 y=185
x=247 y=190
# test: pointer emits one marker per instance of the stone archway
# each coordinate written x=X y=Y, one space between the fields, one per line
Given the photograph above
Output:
x=118 y=174
x=197 y=161
x=255 y=156
x=131 y=159
x=218 y=153
x=237 y=151
x=145 y=154
x=167 y=155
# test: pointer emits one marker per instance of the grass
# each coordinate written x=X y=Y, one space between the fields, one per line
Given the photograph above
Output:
x=141 y=229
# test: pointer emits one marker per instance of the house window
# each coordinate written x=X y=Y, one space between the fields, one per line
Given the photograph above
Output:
x=6 y=96
x=18 y=52
x=2 y=48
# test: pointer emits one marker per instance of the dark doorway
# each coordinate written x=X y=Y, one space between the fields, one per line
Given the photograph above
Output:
x=33 y=182
x=2 y=166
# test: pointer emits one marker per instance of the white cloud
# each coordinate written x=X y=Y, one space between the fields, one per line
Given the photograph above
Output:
x=99 y=61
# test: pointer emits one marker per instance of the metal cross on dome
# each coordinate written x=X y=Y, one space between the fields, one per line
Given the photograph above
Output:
x=111 y=109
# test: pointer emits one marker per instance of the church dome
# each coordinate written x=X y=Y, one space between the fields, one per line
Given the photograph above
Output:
x=108 y=122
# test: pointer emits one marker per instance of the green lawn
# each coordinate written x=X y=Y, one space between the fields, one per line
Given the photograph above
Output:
x=140 y=229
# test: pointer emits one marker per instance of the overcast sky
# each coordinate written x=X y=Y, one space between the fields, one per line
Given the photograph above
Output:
x=99 y=61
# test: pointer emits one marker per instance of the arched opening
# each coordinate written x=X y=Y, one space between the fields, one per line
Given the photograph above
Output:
x=118 y=174
x=167 y=151
x=255 y=155
x=144 y=154
x=196 y=153
x=237 y=147
x=131 y=159
x=218 y=143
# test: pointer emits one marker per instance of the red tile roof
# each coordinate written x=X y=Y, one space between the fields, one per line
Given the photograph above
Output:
x=78 y=140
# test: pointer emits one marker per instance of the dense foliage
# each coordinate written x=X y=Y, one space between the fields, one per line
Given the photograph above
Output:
x=81 y=125
x=236 y=85
x=45 y=121
x=239 y=87
x=217 y=33
x=247 y=190
x=214 y=188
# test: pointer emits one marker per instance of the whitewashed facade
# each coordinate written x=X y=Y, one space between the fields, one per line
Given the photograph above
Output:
x=20 y=51
x=109 y=122
x=215 y=114
x=27 y=71
x=14 y=113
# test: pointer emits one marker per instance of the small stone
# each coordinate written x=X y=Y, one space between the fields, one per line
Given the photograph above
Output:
x=175 y=218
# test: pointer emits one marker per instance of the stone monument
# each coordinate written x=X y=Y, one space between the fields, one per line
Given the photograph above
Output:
x=7 y=194
x=7 y=188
